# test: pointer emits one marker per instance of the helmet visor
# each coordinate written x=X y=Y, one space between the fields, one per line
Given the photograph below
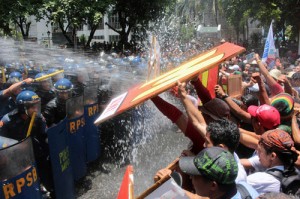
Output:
x=30 y=108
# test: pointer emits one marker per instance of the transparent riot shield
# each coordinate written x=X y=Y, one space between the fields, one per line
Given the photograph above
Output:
x=60 y=161
x=18 y=172
x=75 y=131
x=6 y=142
x=91 y=133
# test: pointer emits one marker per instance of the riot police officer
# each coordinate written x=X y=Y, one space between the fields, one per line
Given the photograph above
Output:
x=15 y=125
x=55 y=110
x=78 y=79
x=44 y=90
x=15 y=74
x=57 y=77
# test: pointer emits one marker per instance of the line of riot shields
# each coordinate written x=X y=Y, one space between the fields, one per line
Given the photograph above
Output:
x=76 y=141
x=73 y=143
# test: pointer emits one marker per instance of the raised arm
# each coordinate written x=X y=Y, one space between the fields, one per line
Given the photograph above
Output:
x=193 y=113
x=263 y=95
x=7 y=92
x=264 y=71
x=234 y=108
x=171 y=112
x=202 y=92
x=274 y=86
x=249 y=139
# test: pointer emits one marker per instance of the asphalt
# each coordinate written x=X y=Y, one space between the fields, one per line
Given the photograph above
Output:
x=158 y=145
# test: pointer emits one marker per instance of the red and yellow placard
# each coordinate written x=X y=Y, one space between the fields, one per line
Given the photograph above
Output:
x=185 y=71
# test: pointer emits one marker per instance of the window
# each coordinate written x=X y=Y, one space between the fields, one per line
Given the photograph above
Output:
x=113 y=38
x=113 y=20
x=99 y=37
x=80 y=27
x=101 y=24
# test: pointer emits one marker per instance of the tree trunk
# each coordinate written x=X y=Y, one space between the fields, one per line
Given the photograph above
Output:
x=64 y=32
x=216 y=11
x=93 y=30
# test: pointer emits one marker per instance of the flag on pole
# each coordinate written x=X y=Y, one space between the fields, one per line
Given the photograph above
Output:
x=126 y=189
x=269 y=50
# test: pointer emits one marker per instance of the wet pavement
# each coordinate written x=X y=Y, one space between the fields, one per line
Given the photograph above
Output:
x=158 y=149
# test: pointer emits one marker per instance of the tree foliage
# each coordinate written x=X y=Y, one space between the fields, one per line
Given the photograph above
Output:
x=134 y=13
x=18 y=12
x=282 y=12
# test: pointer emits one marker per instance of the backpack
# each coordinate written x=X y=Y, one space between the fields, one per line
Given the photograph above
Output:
x=289 y=184
x=243 y=191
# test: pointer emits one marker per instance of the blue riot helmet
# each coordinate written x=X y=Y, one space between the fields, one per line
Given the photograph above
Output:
x=52 y=70
x=10 y=68
x=46 y=84
x=16 y=75
x=55 y=78
x=63 y=89
x=29 y=102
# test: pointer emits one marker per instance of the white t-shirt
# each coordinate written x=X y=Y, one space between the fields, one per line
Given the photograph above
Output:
x=242 y=175
x=264 y=182
x=255 y=163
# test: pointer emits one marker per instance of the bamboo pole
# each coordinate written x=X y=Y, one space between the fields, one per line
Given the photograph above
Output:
x=49 y=75
x=3 y=75
x=31 y=124
x=158 y=183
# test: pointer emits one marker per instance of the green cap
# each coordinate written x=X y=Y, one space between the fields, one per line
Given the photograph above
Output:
x=213 y=163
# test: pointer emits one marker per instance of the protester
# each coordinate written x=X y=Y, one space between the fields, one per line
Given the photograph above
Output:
x=213 y=172
x=272 y=81
x=276 y=151
x=220 y=132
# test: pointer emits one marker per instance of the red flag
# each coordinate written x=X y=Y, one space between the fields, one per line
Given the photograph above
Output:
x=126 y=189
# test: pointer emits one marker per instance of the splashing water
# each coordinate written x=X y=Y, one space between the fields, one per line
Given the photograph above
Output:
x=142 y=136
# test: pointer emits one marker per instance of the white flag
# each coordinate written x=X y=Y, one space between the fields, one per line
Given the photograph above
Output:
x=269 y=50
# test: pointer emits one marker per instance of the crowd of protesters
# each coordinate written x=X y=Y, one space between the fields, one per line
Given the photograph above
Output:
x=240 y=140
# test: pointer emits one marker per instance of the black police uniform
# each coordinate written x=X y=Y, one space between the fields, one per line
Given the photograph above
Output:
x=54 y=112
x=46 y=96
x=14 y=126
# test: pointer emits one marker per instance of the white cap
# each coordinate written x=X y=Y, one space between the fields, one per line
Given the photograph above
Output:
x=254 y=62
x=234 y=67
x=275 y=73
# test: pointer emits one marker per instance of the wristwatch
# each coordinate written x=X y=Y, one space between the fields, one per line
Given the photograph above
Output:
x=224 y=96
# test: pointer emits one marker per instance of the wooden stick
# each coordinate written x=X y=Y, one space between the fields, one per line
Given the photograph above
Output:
x=171 y=166
x=3 y=75
x=31 y=124
x=158 y=183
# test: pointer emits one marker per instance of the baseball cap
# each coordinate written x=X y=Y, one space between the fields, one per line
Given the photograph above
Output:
x=234 y=67
x=277 y=139
x=285 y=128
x=237 y=72
x=267 y=115
x=213 y=163
x=284 y=103
x=215 y=108
x=275 y=73
x=290 y=74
